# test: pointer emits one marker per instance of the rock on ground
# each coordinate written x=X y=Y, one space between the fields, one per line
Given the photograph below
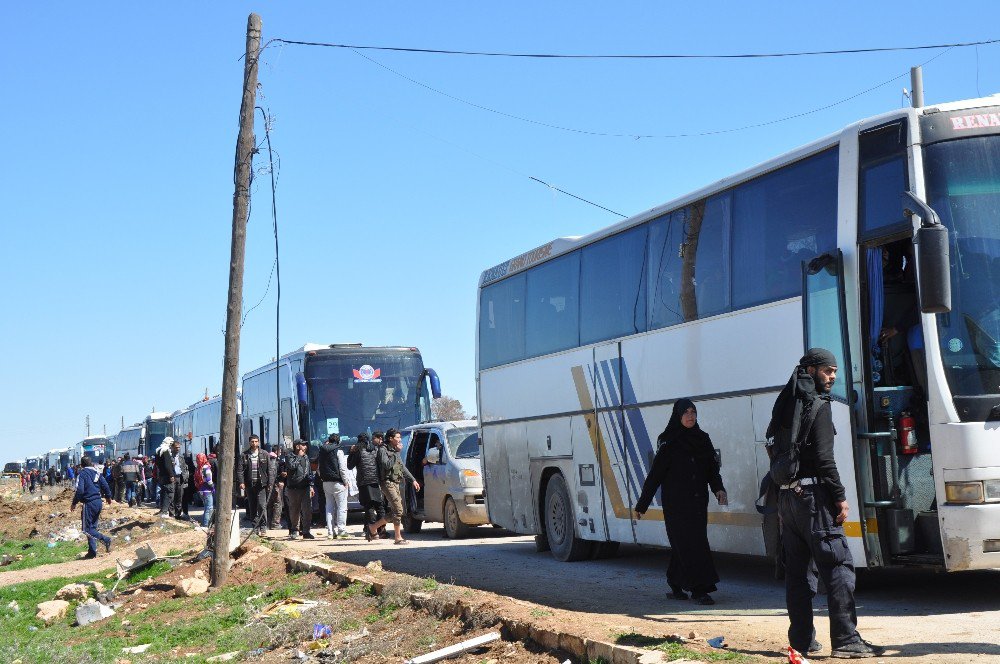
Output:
x=53 y=610
x=74 y=592
x=189 y=587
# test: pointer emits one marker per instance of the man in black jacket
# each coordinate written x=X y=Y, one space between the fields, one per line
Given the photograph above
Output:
x=170 y=473
x=297 y=476
x=813 y=507
x=364 y=457
x=252 y=471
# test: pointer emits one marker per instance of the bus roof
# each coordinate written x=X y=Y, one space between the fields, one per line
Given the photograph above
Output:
x=312 y=348
x=564 y=245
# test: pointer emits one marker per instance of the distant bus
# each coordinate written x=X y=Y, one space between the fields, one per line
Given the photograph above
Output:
x=198 y=425
x=31 y=463
x=585 y=344
x=339 y=388
x=13 y=468
x=98 y=448
x=142 y=439
x=129 y=440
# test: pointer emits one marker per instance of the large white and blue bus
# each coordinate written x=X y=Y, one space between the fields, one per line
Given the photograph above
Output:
x=99 y=448
x=586 y=342
x=129 y=440
x=198 y=426
x=345 y=389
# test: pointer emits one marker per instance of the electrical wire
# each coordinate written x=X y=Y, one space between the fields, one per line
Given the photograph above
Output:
x=277 y=270
x=635 y=56
x=637 y=136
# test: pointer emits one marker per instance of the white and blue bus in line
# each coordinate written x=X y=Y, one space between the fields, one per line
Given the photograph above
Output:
x=142 y=438
x=99 y=448
x=585 y=343
x=198 y=425
x=345 y=389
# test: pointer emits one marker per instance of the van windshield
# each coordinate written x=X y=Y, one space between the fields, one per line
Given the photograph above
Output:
x=464 y=443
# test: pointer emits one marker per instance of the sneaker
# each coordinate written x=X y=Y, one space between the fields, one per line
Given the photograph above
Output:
x=308 y=536
x=677 y=594
x=814 y=647
x=705 y=599
x=90 y=555
x=293 y=536
x=345 y=535
x=858 y=650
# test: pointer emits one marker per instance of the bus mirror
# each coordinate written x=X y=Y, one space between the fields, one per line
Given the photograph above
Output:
x=435 y=384
x=933 y=256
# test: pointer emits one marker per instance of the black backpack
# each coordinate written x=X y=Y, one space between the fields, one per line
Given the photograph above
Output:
x=786 y=445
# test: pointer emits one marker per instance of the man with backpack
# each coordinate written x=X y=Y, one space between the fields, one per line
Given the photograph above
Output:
x=812 y=504
x=297 y=476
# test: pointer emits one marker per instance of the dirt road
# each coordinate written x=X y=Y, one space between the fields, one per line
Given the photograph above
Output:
x=920 y=616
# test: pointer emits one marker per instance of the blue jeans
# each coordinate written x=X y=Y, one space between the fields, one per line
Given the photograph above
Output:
x=208 y=499
x=130 y=489
x=91 y=512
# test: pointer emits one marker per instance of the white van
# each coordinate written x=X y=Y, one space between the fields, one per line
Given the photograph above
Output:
x=444 y=457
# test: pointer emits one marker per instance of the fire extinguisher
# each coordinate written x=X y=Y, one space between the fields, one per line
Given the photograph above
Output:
x=907 y=435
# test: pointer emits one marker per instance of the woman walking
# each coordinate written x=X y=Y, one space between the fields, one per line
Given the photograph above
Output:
x=683 y=469
x=204 y=481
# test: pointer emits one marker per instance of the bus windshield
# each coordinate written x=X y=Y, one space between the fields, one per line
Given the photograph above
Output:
x=155 y=433
x=363 y=392
x=95 y=452
x=963 y=186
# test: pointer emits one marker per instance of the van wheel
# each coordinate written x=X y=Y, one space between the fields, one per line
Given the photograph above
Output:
x=559 y=527
x=453 y=526
x=412 y=525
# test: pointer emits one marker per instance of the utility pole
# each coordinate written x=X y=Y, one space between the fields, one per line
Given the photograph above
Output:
x=87 y=422
x=917 y=86
x=234 y=306
x=104 y=428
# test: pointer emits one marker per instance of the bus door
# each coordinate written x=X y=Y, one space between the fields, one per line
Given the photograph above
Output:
x=901 y=495
x=825 y=326
x=610 y=493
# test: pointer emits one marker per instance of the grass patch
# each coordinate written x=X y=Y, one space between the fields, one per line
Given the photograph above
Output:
x=429 y=584
x=37 y=552
x=148 y=572
x=540 y=613
x=677 y=650
x=354 y=590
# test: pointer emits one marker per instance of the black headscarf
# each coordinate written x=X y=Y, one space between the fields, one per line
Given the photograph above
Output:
x=789 y=407
x=676 y=431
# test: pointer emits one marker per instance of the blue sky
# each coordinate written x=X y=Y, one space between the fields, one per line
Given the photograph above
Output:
x=120 y=126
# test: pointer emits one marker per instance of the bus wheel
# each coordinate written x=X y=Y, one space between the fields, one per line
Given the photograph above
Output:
x=559 y=526
x=453 y=526
x=412 y=525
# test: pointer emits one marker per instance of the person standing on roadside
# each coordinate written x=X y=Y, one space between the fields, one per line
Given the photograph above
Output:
x=364 y=457
x=297 y=477
x=204 y=482
x=683 y=470
x=813 y=507
x=391 y=472
x=333 y=473
x=170 y=476
x=276 y=497
x=131 y=473
x=89 y=491
x=252 y=471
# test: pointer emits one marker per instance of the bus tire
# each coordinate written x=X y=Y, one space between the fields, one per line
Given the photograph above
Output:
x=560 y=528
x=453 y=526
x=412 y=525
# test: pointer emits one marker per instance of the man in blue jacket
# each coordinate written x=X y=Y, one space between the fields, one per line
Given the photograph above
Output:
x=90 y=487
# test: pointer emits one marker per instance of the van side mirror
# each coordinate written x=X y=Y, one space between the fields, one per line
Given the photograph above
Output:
x=933 y=256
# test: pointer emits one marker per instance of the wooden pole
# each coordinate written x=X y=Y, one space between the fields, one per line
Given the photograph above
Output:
x=234 y=307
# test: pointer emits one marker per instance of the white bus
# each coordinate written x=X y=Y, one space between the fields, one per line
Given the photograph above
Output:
x=585 y=343
x=129 y=440
x=345 y=389
x=98 y=448
x=198 y=425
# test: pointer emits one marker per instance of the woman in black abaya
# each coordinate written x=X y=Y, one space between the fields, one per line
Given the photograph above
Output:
x=684 y=468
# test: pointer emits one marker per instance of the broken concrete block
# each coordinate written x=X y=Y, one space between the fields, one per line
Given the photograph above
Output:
x=189 y=587
x=92 y=611
x=53 y=610
x=145 y=553
x=74 y=592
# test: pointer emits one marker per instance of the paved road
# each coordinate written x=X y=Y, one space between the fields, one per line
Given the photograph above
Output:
x=923 y=616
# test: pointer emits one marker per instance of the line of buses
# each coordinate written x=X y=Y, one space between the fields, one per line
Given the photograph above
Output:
x=309 y=393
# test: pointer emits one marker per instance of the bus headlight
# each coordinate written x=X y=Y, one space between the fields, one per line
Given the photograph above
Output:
x=992 y=490
x=964 y=492
x=470 y=477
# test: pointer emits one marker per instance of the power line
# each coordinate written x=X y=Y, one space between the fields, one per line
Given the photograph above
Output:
x=637 y=136
x=635 y=56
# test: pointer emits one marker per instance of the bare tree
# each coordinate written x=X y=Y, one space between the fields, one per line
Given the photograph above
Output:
x=447 y=408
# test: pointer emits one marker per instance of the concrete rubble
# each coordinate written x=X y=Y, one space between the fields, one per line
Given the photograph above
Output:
x=196 y=585
x=74 y=592
x=92 y=611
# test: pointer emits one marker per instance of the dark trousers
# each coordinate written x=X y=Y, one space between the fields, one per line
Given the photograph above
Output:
x=257 y=505
x=370 y=497
x=91 y=512
x=299 y=510
x=168 y=496
x=274 y=505
x=810 y=533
